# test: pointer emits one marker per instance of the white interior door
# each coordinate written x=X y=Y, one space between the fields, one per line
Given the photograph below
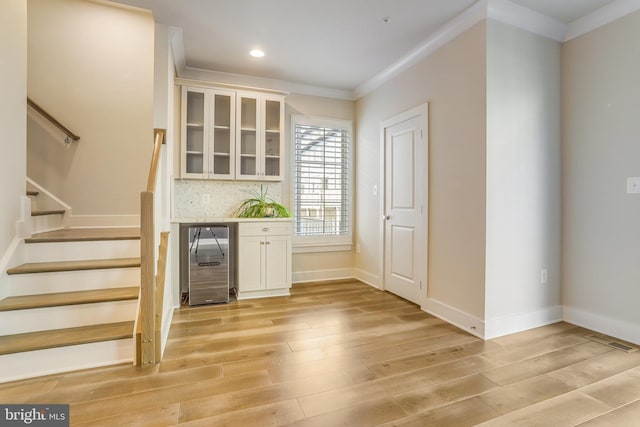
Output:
x=406 y=169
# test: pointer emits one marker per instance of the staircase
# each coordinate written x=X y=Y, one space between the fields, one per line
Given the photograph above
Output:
x=72 y=303
x=46 y=214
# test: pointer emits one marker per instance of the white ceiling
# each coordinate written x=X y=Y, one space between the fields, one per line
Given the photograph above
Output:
x=336 y=44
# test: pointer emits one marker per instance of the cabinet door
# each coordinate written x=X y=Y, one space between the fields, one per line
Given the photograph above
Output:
x=247 y=137
x=278 y=262
x=223 y=119
x=195 y=133
x=251 y=263
x=272 y=162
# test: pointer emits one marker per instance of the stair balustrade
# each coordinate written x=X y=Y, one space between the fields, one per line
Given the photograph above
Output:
x=148 y=325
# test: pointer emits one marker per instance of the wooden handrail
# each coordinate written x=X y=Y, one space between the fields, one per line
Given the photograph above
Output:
x=155 y=159
x=70 y=135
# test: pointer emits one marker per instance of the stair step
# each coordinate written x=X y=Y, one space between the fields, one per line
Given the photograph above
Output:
x=32 y=193
x=48 y=212
x=85 y=235
x=31 y=341
x=25 y=302
x=96 y=264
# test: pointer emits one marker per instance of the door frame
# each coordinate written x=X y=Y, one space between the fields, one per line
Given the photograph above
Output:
x=423 y=234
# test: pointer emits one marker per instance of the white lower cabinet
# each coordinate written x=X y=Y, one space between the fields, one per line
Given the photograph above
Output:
x=264 y=259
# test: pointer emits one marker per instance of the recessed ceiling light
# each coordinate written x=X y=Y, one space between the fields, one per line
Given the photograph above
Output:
x=256 y=53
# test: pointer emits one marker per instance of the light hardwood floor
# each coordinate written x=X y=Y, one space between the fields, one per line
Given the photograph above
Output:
x=346 y=354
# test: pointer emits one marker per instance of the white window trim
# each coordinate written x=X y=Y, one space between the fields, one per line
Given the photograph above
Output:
x=309 y=244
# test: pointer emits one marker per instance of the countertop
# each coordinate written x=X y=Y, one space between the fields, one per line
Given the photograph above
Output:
x=226 y=219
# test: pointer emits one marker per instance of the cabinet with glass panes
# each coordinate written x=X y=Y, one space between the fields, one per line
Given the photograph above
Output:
x=208 y=131
x=232 y=135
x=259 y=137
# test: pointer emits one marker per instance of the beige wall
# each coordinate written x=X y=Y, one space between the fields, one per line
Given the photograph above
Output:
x=601 y=148
x=523 y=180
x=452 y=80
x=91 y=66
x=325 y=265
x=13 y=87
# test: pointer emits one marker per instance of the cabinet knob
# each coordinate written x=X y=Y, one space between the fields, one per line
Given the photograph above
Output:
x=265 y=229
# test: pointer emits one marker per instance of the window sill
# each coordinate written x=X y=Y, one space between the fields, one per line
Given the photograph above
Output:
x=305 y=248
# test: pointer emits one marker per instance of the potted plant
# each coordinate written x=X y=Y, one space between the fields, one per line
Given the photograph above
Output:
x=260 y=205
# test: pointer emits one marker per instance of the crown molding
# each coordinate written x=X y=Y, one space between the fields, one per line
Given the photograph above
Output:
x=601 y=17
x=458 y=25
x=263 y=83
x=526 y=19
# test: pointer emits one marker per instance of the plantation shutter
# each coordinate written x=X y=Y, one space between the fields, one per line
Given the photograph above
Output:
x=321 y=187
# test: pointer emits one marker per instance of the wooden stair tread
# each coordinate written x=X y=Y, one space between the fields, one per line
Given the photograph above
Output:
x=65 y=337
x=32 y=193
x=24 y=302
x=48 y=212
x=85 y=235
x=96 y=264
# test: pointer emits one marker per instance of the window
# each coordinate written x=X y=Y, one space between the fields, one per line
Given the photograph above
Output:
x=322 y=189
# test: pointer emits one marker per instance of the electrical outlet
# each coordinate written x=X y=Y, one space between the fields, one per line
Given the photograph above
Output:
x=544 y=276
x=633 y=185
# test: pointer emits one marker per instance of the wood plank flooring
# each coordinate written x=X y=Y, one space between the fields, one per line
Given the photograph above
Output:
x=346 y=354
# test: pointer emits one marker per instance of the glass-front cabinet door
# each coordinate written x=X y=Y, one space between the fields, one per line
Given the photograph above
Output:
x=222 y=156
x=247 y=148
x=272 y=163
x=195 y=134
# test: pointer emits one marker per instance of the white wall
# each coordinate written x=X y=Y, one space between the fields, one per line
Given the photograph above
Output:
x=13 y=87
x=601 y=148
x=453 y=81
x=91 y=66
x=523 y=180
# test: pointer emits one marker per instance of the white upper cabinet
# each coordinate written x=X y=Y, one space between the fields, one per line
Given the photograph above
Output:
x=259 y=137
x=208 y=130
x=232 y=135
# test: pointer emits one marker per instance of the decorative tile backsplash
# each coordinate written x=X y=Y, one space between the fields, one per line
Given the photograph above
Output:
x=202 y=199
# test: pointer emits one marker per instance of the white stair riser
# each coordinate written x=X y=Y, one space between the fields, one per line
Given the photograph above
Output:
x=63 y=359
x=69 y=316
x=67 y=281
x=43 y=223
x=75 y=251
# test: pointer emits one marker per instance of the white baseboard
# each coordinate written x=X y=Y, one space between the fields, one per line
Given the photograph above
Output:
x=98 y=221
x=321 y=275
x=514 y=323
x=606 y=325
x=368 y=278
x=456 y=317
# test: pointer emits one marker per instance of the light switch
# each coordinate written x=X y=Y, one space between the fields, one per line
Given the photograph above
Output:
x=375 y=190
x=633 y=185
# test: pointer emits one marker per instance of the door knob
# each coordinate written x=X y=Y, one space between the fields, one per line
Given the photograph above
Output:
x=388 y=217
